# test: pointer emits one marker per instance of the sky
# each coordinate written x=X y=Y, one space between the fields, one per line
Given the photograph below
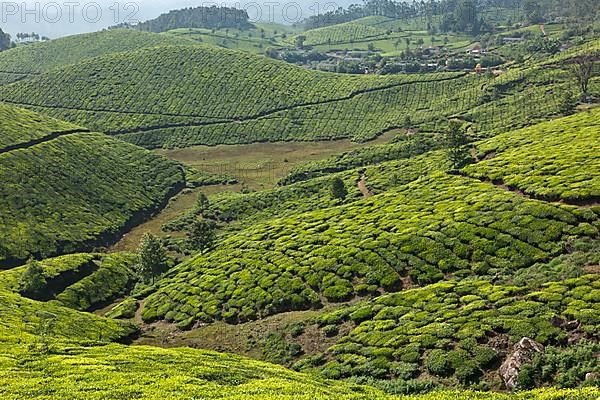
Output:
x=56 y=18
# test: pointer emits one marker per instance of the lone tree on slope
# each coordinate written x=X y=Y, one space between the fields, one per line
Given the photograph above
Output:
x=585 y=67
x=202 y=235
x=456 y=140
x=152 y=258
x=338 y=189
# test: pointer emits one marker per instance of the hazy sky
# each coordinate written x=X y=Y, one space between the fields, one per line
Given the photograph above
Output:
x=54 y=18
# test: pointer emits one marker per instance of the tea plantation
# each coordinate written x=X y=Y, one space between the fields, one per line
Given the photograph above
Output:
x=20 y=127
x=424 y=231
x=73 y=191
x=28 y=61
x=50 y=351
x=521 y=159
x=138 y=96
x=457 y=330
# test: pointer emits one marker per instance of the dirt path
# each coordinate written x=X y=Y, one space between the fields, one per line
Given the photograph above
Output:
x=588 y=203
x=362 y=186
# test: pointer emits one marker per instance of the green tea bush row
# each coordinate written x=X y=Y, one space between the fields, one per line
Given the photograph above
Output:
x=451 y=329
x=64 y=194
x=555 y=160
x=424 y=231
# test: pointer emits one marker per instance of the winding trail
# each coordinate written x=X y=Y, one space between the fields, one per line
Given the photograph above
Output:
x=583 y=203
x=362 y=186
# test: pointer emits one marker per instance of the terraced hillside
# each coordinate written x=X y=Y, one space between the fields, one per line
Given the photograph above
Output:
x=48 y=348
x=455 y=268
x=65 y=188
x=27 y=61
x=176 y=96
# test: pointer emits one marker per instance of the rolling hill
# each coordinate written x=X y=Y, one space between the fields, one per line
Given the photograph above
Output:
x=49 y=352
x=177 y=96
x=65 y=188
x=27 y=61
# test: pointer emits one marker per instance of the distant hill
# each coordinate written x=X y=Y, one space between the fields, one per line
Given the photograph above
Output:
x=198 y=17
x=33 y=59
x=65 y=188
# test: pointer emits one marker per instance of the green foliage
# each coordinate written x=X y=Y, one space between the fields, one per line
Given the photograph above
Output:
x=21 y=126
x=197 y=17
x=125 y=309
x=449 y=329
x=113 y=277
x=555 y=160
x=76 y=191
x=424 y=230
x=157 y=106
x=152 y=258
x=36 y=58
x=201 y=235
x=196 y=178
x=456 y=140
x=32 y=281
x=338 y=189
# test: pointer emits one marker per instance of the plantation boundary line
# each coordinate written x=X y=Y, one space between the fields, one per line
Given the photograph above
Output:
x=47 y=138
x=19 y=73
x=100 y=110
x=592 y=201
x=286 y=108
x=235 y=119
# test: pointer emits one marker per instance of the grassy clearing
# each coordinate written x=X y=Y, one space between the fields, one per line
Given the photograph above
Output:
x=261 y=165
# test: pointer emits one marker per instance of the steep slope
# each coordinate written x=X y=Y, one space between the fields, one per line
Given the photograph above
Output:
x=30 y=60
x=66 y=190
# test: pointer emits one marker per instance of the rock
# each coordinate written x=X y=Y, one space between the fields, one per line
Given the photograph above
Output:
x=592 y=376
x=522 y=353
x=572 y=325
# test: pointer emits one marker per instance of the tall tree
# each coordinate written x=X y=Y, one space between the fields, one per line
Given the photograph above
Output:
x=338 y=189
x=456 y=141
x=584 y=67
x=152 y=258
x=201 y=235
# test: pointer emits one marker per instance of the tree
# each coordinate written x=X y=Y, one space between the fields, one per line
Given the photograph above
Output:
x=338 y=189
x=33 y=281
x=456 y=140
x=300 y=41
x=407 y=122
x=533 y=11
x=466 y=16
x=568 y=103
x=201 y=235
x=583 y=69
x=152 y=258
x=202 y=203
x=5 y=42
